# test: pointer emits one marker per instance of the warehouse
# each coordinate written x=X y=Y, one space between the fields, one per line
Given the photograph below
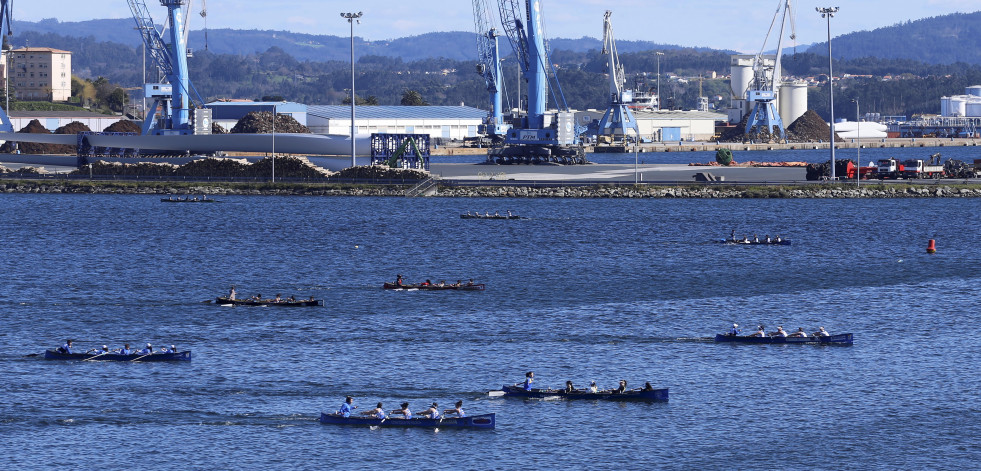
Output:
x=665 y=125
x=446 y=122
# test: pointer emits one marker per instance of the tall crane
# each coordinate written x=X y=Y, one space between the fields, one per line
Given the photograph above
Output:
x=533 y=140
x=171 y=99
x=489 y=66
x=5 y=19
x=618 y=117
x=765 y=85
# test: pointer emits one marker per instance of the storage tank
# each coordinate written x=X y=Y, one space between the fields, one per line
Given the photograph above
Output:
x=973 y=90
x=972 y=107
x=945 y=106
x=793 y=101
x=958 y=106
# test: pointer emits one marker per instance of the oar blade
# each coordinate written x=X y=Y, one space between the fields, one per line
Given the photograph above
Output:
x=496 y=393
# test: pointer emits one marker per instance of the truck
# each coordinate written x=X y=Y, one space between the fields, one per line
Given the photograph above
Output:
x=912 y=168
x=888 y=168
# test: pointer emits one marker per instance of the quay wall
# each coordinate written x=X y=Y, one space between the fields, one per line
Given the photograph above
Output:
x=515 y=190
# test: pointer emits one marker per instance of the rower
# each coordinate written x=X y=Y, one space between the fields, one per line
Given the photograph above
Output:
x=470 y=283
x=734 y=331
x=760 y=332
x=458 y=410
x=529 y=378
x=67 y=347
x=756 y=239
x=378 y=412
x=569 y=388
x=821 y=333
x=406 y=413
x=146 y=351
x=279 y=298
x=231 y=293
x=647 y=387
x=780 y=332
x=800 y=333
x=96 y=351
x=125 y=350
x=592 y=387
x=398 y=278
x=622 y=388
x=426 y=283
x=768 y=238
x=346 y=407
x=432 y=412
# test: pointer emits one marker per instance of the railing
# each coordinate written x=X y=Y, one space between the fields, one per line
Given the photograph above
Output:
x=422 y=188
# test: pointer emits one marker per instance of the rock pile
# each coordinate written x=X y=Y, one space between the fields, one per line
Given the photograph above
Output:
x=260 y=122
x=33 y=127
x=374 y=172
x=810 y=128
x=286 y=167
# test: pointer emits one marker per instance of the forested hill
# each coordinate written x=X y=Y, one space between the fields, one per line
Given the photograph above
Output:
x=455 y=45
x=938 y=40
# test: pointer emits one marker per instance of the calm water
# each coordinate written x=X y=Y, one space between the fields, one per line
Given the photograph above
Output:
x=585 y=290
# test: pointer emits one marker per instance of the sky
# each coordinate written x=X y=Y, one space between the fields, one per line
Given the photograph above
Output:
x=739 y=25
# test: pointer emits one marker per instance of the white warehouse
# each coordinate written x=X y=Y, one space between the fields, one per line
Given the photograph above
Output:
x=446 y=122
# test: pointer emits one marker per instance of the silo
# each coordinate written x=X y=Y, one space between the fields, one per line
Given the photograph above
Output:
x=958 y=105
x=740 y=74
x=972 y=107
x=945 y=106
x=793 y=101
x=974 y=90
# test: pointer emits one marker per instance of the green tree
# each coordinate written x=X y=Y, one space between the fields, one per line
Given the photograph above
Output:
x=412 y=98
x=117 y=100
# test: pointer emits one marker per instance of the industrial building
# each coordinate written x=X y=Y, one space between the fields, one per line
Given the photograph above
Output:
x=227 y=113
x=666 y=125
x=39 y=73
x=966 y=105
x=52 y=120
x=446 y=122
x=791 y=97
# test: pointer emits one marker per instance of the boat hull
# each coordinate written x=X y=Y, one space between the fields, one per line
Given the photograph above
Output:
x=478 y=216
x=245 y=302
x=478 y=287
x=762 y=242
x=838 y=339
x=483 y=421
x=156 y=357
x=658 y=395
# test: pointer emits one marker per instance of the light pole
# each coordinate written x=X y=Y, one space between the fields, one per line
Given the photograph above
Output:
x=658 y=54
x=858 y=132
x=351 y=17
x=274 y=145
x=830 y=13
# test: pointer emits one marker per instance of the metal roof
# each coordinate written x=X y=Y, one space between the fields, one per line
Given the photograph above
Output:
x=60 y=114
x=669 y=114
x=396 y=112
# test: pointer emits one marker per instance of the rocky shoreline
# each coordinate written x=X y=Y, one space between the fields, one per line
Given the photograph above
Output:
x=514 y=190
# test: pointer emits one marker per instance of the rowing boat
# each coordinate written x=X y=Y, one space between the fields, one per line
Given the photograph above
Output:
x=179 y=356
x=837 y=339
x=754 y=242
x=187 y=200
x=269 y=302
x=483 y=421
x=477 y=287
x=490 y=216
x=660 y=395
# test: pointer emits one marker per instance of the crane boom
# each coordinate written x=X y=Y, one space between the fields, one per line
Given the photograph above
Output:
x=5 y=19
x=765 y=85
x=489 y=64
x=618 y=117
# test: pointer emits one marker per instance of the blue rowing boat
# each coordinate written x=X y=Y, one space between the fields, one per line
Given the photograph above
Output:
x=660 y=395
x=179 y=356
x=484 y=421
x=837 y=339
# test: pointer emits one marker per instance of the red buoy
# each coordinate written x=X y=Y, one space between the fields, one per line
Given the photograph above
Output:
x=932 y=246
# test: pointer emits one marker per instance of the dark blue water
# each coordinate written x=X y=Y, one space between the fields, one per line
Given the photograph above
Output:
x=585 y=290
x=868 y=154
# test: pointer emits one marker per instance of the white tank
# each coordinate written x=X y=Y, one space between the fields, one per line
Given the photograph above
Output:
x=945 y=106
x=972 y=108
x=740 y=74
x=974 y=90
x=958 y=106
x=793 y=101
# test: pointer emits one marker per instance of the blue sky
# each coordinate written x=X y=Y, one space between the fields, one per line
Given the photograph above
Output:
x=723 y=24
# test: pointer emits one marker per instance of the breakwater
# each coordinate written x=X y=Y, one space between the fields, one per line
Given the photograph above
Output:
x=510 y=190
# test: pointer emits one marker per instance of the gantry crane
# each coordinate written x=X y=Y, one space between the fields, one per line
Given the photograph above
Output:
x=765 y=85
x=171 y=99
x=618 y=117
x=489 y=67
x=5 y=14
x=532 y=139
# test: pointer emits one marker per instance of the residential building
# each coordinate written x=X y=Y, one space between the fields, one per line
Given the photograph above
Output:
x=40 y=73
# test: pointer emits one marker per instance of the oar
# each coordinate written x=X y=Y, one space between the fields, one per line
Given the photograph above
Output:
x=206 y=302
x=375 y=427
x=496 y=393
x=138 y=358
x=97 y=356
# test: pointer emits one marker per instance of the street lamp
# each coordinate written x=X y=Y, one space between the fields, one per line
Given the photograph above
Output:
x=274 y=144
x=658 y=55
x=351 y=17
x=830 y=13
x=858 y=133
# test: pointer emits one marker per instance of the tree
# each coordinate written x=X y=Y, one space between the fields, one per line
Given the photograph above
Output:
x=412 y=98
x=117 y=100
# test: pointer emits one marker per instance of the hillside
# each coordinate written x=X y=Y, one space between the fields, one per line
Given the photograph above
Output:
x=944 y=39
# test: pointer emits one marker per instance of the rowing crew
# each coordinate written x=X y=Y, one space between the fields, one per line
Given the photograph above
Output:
x=401 y=282
x=433 y=412
x=761 y=332
x=569 y=388
x=69 y=348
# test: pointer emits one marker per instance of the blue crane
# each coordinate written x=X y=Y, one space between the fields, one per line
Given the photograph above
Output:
x=5 y=6
x=763 y=89
x=171 y=99
x=489 y=66
x=618 y=117
x=533 y=140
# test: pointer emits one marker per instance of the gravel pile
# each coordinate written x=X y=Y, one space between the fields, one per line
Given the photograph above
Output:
x=810 y=128
x=260 y=122
x=286 y=167
x=381 y=173
x=124 y=126
x=33 y=127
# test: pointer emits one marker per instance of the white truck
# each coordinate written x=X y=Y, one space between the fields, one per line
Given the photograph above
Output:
x=921 y=169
